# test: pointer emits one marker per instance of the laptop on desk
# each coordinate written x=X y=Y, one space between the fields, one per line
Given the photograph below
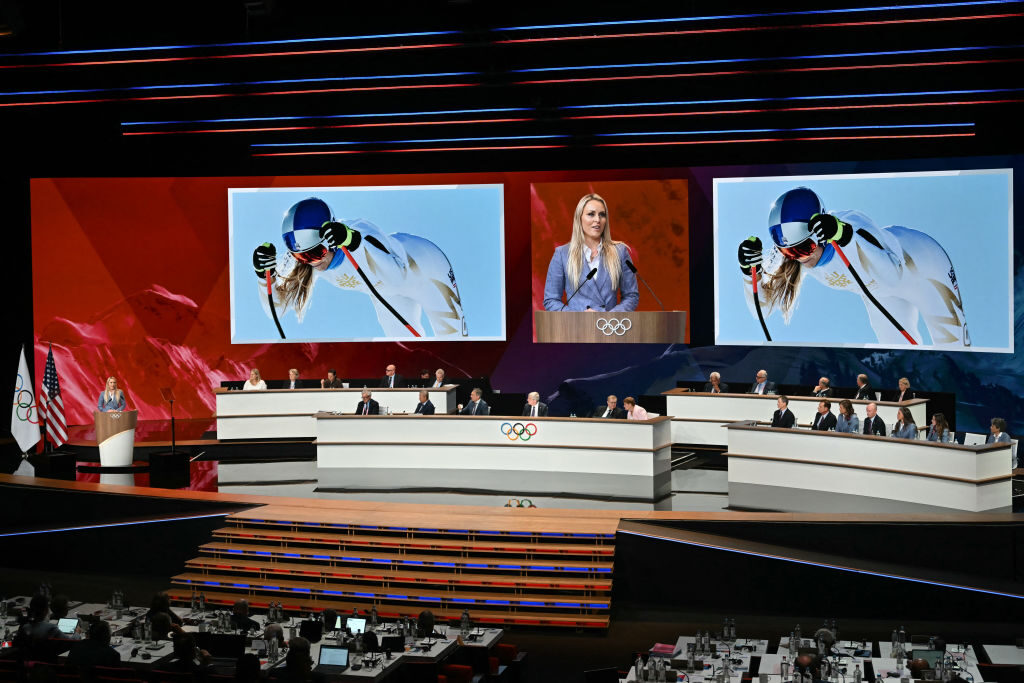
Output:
x=333 y=659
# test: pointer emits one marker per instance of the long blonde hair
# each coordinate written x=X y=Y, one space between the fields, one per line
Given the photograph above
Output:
x=293 y=289
x=610 y=247
x=780 y=288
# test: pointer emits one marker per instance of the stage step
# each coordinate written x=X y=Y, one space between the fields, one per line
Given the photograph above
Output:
x=398 y=577
x=300 y=606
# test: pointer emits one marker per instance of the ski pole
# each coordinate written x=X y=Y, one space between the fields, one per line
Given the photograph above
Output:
x=870 y=296
x=757 y=303
x=373 y=290
x=270 y=298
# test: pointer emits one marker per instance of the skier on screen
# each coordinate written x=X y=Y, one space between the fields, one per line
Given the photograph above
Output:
x=404 y=275
x=907 y=272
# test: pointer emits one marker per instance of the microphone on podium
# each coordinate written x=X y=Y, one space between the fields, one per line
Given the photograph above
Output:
x=633 y=268
x=590 y=276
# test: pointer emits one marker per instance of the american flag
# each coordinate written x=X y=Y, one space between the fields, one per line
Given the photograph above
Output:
x=51 y=405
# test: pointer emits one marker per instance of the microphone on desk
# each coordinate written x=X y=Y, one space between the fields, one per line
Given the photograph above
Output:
x=630 y=265
x=590 y=276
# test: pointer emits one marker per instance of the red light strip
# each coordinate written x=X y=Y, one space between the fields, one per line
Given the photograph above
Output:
x=634 y=77
x=737 y=29
x=242 y=55
x=340 y=125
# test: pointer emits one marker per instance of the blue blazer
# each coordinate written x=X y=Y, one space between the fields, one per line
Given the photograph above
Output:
x=851 y=426
x=1003 y=438
x=596 y=294
x=904 y=431
x=947 y=437
x=425 y=408
x=112 y=404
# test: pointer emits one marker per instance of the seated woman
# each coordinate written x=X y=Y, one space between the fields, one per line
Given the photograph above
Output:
x=633 y=411
x=905 y=393
x=904 y=427
x=111 y=398
x=254 y=383
x=848 y=421
x=939 y=429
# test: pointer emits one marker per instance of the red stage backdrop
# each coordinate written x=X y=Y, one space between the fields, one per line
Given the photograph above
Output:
x=130 y=279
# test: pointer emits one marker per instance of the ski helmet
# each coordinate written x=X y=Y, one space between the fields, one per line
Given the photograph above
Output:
x=788 y=221
x=301 y=229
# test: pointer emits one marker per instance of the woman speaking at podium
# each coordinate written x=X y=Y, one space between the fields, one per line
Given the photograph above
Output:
x=592 y=271
x=111 y=398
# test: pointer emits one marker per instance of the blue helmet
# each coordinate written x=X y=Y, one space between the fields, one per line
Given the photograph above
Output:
x=790 y=214
x=301 y=225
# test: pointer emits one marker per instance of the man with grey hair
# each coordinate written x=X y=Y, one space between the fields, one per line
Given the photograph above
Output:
x=534 y=407
x=367 y=406
x=715 y=385
x=761 y=384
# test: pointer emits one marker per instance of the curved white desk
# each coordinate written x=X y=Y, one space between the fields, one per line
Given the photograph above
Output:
x=581 y=456
x=797 y=470
x=288 y=413
x=698 y=418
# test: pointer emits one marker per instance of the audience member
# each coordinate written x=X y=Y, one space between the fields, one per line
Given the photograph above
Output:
x=255 y=382
x=534 y=407
x=240 y=617
x=161 y=626
x=998 y=429
x=610 y=410
x=186 y=657
x=905 y=393
x=825 y=420
x=761 y=384
x=33 y=637
x=425 y=378
x=633 y=411
x=332 y=381
x=939 y=429
x=59 y=607
x=161 y=602
x=715 y=385
x=904 y=427
x=95 y=650
x=293 y=379
x=391 y=380
x=872 y=423
x=476 y=405
x=298 y=665
x=424 y=407
x=439 y=378
x=247 y=668
x=864 y=390
x=367 y=406
x=783 y=416
x=823 y=388
x=847 y=421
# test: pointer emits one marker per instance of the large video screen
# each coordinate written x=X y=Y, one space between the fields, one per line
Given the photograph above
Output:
x=881 y=260
x=323 y=264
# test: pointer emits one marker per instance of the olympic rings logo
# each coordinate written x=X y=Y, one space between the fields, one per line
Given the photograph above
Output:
x=24 y=402
x=614 y=326
x=519 y=431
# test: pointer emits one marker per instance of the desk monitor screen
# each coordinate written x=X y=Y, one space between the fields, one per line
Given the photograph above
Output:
x=974 y=439
x=355 y=625
x=333 y=656
x=930 y=656
x=67 y=625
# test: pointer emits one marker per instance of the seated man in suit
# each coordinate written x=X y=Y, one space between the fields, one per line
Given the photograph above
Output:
x=609 y=410
x=783 y=417
x=823 y=389
x=367 y=406
x=240 y=618
x=438 y=378
x=825 y=420
x=864 y=390
x=332 y=381
x=534 y=407
x=476 y=405
x=998 y=429
x=715 y=385
x=424 y=407
x=905 y=393
x=761 y=384
x=872 y=423
x=94 y=651
x=390 y=379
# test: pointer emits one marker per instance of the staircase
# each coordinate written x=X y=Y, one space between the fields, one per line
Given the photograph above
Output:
x=507 y=566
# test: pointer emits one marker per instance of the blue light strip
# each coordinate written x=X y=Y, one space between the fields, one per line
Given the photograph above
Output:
x=246 y=119
x=851 y=570
x=402 y=142
x=741 y=60
x=290 y=41
x=226 y=84
x=795 y=13
x=738 y=100
x=785 y=130
x=110 y=525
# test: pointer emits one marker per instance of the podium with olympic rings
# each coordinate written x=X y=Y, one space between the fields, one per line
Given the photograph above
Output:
x=115 y=436
x=621 y=327
x=590 y=457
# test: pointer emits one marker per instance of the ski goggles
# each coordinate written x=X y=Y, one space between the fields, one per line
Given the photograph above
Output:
x=312 y=255
x=798 y=251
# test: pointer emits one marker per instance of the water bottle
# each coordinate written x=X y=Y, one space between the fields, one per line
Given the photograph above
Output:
x=732 y=628
x=895 y=643
x=147 y=631
x=202 y=602
x=784 y=669
x=464 y=624
x=3 y=609
x=796 y=631
x=835 y=631
x=691 y=660
x=659 y=671
x=638 y=668
x=792 y=644
x=272 y=649
x=193 y=600
x=373 y=615
x=857 y=675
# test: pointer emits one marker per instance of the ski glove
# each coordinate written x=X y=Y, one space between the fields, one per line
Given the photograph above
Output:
x=264 y=259
x=827 y=228
x=749 y=254
x=336 y=235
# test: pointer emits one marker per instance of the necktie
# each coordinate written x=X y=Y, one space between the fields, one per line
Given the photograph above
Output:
x=475 y=404
x=391 y=382
x=533 y=411
x=606 y=412
x=366 y=407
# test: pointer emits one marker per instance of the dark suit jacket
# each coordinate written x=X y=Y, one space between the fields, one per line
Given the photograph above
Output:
x=483 y=408
x=722 y=387
x=824 y=393
x=865 y=393
x=336 y=384
x=425 y=408
x=874 y=426
x=542 y=409
x=374 y=408
x=768 y=387
x=783 y=418
x=617 y=414
x=907 y=395
x=399 y=381
x=88 y=654
x=823 y=423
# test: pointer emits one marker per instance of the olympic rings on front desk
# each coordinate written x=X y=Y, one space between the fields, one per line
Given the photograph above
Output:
x=518 y=430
